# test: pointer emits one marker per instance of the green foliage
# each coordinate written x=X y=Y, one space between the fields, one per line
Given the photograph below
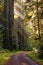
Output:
x=1 y=37
x=15 y=40
x=33 y=12
x=1 y=22
x=41 y=52
x=5 y=55
x=1 y=11
x=35 y=57
x=1 y=6
x=30 y=43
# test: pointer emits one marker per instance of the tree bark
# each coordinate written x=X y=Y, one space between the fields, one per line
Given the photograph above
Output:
x=11 y=20
x=8 y=24
x=5 y=24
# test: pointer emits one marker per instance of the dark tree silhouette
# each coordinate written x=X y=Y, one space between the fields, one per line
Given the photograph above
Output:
x=8 y=24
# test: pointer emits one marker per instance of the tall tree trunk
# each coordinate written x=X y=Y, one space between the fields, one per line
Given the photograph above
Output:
x=11 y=20
x=8 y=24
x=5 y=24
x=38 y=21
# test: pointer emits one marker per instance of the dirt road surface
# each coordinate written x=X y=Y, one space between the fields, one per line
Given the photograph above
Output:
x=21 y=59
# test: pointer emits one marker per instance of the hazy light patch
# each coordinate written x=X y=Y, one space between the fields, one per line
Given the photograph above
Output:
x=15 y=16
x=18 y=5
x=17 y=11
x=19 y=14
x=24 y=0
x=36 y=0
x=33 y=16
x=30 y=13
x=37 y=32
x=39 y=8
x=30 y=24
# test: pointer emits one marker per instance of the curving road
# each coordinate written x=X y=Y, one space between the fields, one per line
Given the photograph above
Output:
x=21 y=59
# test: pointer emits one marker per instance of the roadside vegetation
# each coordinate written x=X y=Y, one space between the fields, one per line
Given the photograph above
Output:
x=5 y=55
x=35 y=57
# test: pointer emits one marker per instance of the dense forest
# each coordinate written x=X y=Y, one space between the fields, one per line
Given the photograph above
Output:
x=21 y=25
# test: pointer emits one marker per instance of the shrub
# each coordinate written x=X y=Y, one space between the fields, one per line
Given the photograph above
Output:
x=41 y=52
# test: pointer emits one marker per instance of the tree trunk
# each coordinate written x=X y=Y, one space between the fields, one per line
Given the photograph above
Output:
x=11 y=20
x=38 y=22
x=8 y=24
x=5 y=24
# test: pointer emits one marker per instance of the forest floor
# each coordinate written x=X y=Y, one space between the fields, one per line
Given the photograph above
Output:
x=21 y=59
